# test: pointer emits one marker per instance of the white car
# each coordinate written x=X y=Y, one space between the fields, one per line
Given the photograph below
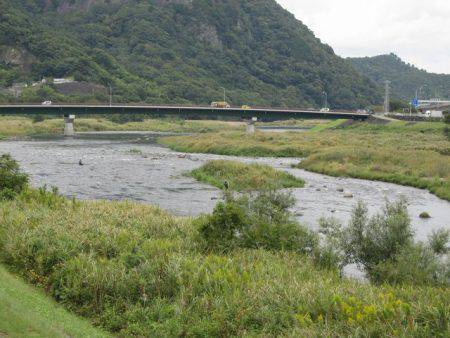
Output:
x=47 y=103
x=325 y=110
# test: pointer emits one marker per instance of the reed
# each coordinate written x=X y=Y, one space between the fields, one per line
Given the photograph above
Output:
x=408 y=154
x=240 y=176
x=135 y=270
x=11 y=126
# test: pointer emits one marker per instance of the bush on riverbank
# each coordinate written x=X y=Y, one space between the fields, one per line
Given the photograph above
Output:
x=135 y=270
x=241 y=176
x=383 y=245
x=12 y=180
x=258 y=220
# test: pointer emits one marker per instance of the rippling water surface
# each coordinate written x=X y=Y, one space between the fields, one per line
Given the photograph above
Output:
x=132 y=166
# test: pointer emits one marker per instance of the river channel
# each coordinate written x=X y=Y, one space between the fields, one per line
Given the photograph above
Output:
x=133 y=166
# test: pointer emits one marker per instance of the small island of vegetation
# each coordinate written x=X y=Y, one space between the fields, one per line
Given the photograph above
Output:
x=240 y=176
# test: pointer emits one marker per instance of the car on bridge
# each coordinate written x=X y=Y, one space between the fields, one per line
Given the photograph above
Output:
x=47 y=103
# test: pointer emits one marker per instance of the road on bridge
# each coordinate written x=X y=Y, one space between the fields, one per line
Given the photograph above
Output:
x=196 y=112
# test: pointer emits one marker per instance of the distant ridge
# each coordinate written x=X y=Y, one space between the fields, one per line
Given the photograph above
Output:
x=405 y=78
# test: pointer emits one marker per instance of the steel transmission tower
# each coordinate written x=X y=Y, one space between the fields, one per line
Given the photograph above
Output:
x=387 y=96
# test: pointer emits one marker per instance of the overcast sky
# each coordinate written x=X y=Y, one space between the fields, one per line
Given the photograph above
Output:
x=416 y=30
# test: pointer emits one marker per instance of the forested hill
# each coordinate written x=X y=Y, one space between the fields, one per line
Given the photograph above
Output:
x=405 y=78
x=184 y=51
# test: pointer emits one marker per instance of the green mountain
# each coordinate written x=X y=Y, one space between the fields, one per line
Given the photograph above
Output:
x=405 y=78
x=183 y=51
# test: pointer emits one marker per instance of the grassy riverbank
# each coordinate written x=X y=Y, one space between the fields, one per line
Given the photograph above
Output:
x=24 y=126
x=27 y=312
x=135 y=270
x=414 y=154
x=241 y=176
x=12 y=126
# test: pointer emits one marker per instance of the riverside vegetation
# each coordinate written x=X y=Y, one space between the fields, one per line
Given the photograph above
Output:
x=414 y=154
x=12 y=126
x=19 y=126
x=27 y=312
x=246 y=269
x=240 y=176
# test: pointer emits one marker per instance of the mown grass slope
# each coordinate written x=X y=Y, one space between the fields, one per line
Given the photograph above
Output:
x=135 y=270
x=414 y=154
x=241 y=176
x=27 y=312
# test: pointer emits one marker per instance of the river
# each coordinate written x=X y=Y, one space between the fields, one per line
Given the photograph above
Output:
x=132 y=166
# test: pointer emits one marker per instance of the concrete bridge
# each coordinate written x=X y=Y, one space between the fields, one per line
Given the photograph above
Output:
x=433 y=105
x=187 y=112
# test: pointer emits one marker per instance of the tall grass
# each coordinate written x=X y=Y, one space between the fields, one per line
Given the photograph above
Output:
x=23 y=126
x=424 y=169
x=240 y=176
x=135 y=270
x=26 y=312
x=414 y=154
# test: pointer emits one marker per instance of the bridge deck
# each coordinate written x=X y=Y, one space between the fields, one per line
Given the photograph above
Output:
x=183 y=111
x=433 y=105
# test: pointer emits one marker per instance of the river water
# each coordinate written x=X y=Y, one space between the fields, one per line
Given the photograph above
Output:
x=132 y=166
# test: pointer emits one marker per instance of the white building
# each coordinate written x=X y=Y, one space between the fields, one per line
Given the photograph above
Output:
x=62 y=80
x=434 y=113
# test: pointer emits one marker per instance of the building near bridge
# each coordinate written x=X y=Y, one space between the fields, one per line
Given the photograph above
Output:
x=434 y=114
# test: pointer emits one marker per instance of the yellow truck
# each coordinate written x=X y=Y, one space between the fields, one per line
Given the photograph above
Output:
x=220 y=104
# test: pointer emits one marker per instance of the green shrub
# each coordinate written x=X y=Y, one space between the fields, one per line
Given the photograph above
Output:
x=383 y=246
x=12 y=180
x=416 y=264
x=439 y=240
x=137 y=271
x=331 y=253
x=260 y=220
x=374 y=240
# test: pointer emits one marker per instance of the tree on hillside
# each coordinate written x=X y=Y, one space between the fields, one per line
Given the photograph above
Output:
x=174 y=52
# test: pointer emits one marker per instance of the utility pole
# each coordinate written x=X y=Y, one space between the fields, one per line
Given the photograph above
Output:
x=419 y=90
x=110 y=95
x=325 y=99
x=387 y=96
x=224 y=94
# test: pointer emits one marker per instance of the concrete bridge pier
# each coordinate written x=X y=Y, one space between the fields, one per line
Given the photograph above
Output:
x=251 y=125
x=68 y=125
